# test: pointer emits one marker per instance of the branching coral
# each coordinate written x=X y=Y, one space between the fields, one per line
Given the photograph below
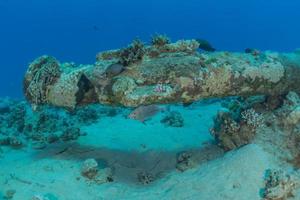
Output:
x=133 y=53
x=159 y=40
x=236 y=127
x=227 y=132
x=252 y=118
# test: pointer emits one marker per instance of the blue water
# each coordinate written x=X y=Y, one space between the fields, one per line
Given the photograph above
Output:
x=75 y=30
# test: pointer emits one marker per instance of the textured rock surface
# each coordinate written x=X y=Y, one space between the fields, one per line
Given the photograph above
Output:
x=42 y=73
x=169 y=73
x=21 y=127
x=280 y=185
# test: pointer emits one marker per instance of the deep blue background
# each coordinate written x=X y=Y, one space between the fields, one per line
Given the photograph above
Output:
x=66 y=28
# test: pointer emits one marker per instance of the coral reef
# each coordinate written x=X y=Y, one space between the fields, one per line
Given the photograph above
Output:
x=160 y=73
x=42 y=73
x=285 y=120
x=72 y=89
x=272 y=122
x=237 y=126
x=279 y=185
x=231 y=134
x=22 y=128
x=252 y=118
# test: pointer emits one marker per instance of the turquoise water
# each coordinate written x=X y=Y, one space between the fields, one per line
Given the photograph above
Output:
x=224 y=114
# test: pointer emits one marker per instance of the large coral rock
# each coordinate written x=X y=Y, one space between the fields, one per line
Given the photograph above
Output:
x=42 y=73
x=170 y=73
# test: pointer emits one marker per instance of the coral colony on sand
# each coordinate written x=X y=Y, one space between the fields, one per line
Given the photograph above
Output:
x=260 y=105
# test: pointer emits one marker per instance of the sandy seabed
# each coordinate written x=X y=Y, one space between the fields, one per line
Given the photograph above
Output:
x=129 y=147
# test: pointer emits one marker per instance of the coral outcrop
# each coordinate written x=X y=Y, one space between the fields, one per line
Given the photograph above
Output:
x=22 y=128
x=162 y=72
x=272 y=122
x=237 y=127
x=279 y=185
x=132 y=54
x=42 y=73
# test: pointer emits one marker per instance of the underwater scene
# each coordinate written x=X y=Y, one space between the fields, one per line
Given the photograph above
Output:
x=148 y=100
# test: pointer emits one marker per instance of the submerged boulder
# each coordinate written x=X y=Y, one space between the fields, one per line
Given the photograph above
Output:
x=164 y=73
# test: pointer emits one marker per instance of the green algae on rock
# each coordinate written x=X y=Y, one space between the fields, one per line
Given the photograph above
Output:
x=168 y=73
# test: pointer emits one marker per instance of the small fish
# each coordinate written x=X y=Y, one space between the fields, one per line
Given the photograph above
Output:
x=205 y=45
x=114 y=70
x=254 y=52
x=142 y=113
x=95 y=28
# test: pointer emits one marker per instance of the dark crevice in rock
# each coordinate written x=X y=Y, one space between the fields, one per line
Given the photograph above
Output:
x=86 y=91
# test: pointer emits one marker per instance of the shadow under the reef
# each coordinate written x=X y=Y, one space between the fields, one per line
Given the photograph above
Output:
x=126 y=165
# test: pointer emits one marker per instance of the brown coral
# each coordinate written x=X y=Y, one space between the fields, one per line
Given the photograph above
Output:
x=42 y=72
x=72 y=89
x=159 y=40
x=133 y=53
x=232 y=133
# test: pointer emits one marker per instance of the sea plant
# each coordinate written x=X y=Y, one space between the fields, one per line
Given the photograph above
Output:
x=160 y=40
x=133 y=53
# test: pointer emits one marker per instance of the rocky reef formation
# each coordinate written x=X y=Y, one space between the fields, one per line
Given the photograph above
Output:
x=162 y=72
x=237 y=125
x=42 y=73
x=280 y=185
x=21 y=127
x=272 y=122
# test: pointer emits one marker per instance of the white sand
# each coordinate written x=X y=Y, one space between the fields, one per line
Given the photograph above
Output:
x=238 y=175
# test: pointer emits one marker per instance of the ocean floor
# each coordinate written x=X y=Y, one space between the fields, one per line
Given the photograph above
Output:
x=116 y=158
